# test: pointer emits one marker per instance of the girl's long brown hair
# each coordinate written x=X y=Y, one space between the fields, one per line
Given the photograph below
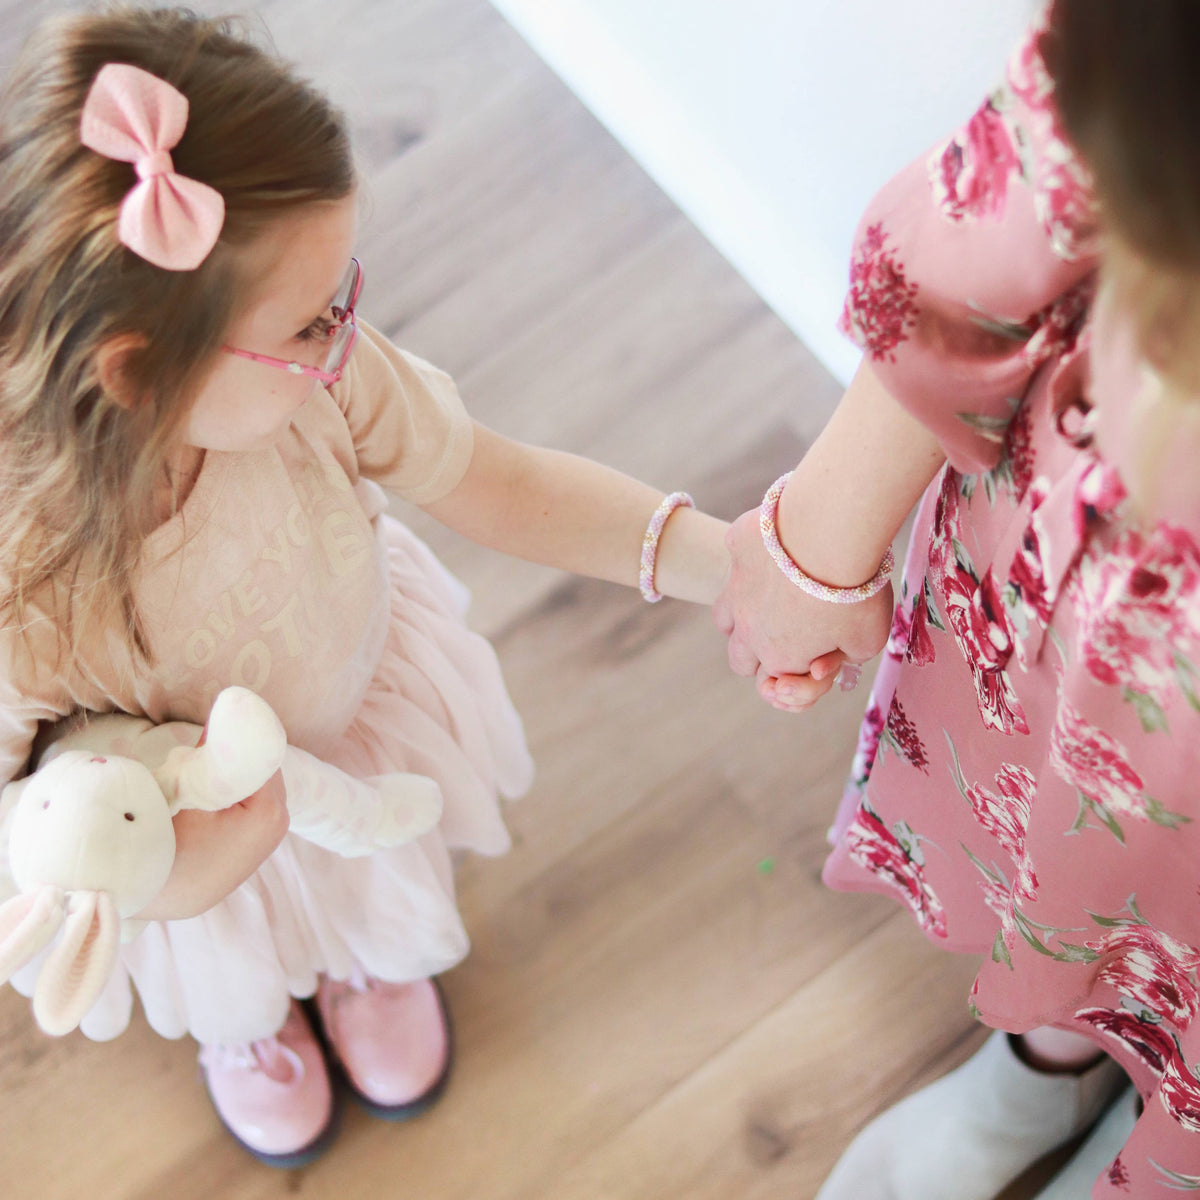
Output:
x=78 y=471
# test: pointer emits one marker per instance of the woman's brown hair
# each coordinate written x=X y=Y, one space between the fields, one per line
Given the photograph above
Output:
x=1124 y=75
x=78 y=468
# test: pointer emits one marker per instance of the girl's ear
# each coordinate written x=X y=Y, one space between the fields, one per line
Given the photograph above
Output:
x=112 y=365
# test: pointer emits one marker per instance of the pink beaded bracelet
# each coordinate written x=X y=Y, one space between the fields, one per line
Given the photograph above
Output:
x=766 y=522
x=650 y=542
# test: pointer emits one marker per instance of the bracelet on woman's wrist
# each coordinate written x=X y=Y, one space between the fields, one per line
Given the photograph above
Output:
x=767 y=517
x=650 y=543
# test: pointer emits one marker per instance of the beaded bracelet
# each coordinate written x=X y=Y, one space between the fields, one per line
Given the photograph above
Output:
x=650 y=542
x=766 y=522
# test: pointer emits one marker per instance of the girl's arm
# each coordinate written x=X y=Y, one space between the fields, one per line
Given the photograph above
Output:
x=216 y=852
x=569 y=512
x=841 y=509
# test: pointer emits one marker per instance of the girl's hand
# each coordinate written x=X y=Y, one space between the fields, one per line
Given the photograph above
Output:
x=215 y=852
x=775 y=630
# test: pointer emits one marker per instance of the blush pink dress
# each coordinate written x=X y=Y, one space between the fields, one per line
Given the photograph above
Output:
x=283 y=573
x=1028 y=774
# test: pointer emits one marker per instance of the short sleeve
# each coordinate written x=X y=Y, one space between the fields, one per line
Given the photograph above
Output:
x=40 y=681
x=974 y=265
x=410 y=431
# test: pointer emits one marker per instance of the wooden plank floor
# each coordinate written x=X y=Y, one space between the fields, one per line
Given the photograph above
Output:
x=646 y=1015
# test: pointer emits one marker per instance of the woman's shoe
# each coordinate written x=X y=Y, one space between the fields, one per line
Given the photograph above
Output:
x=969 y=1134
x=274 y=1095
x=391 y=1042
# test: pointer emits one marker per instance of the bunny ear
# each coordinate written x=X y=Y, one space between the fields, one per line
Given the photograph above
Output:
x=27 y=923
x=75 y=973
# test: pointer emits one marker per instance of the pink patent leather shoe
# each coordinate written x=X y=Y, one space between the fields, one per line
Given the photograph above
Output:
x=391 y=1042
x=274 y=1095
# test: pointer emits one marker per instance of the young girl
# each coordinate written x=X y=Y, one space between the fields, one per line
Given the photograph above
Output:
x=194 y=434
x=1027 y=776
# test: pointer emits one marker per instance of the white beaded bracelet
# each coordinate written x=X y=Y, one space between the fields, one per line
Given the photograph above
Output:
x=767 y=514
x=650 y=542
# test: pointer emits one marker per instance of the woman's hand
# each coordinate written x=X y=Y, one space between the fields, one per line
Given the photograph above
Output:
x=215 y=852
x=791 y=643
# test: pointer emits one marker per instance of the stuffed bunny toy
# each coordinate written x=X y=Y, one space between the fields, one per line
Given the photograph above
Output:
x=90 y=839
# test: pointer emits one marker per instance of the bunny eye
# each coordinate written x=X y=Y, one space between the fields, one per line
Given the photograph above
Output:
x=129 y=816
x=45 y=804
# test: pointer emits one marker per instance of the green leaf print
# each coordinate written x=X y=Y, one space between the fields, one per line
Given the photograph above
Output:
x=956 y=767
x=1071 y=953
x=1185 y=673
x=1000 y=953
x=1175 y=1181
x=1163 y=816
x=1088 y=806
x=1149 y=711
x=989 y=428
x=931 y=608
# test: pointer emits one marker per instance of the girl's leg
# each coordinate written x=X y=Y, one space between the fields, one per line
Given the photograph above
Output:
x=968 y=1135
x=274 y=1094
x=391 y=1041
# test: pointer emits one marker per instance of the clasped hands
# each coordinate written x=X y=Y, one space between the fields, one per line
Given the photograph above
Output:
x=790 y=643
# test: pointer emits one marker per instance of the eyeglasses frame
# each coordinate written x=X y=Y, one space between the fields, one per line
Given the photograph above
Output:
x=343 y=317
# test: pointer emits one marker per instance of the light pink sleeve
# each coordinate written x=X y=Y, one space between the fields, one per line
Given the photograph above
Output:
x=973 y=266
x=34 y=687
x=411 y=433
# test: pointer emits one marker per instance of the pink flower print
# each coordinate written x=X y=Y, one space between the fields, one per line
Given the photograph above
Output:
x=999 y=898
x=946 y=525
x=1152 y=968
x=1018 y=452
x=902 y=734
x=1005 y=816
x=1057 y=327
x=867 y=749
x=1064 y=198
x=1096 y=764
x=1180 y=1092
x=1152 y=1044
x=874 y=847
x=1118 y=1176
x=969 y=174
x=909 y=638
x=901 y=631
x=920 y=642
x=1027 y=574
x=1063 y=189
x=1134 y=610
x=1028 y=77
x=1098 y=492
x=881 y=304
x=985 y=636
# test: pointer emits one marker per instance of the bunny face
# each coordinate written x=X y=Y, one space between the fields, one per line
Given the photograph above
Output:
x=93 y=822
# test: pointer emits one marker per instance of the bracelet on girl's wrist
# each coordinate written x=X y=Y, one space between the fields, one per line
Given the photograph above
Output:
x=767 y=517
x=650 y=543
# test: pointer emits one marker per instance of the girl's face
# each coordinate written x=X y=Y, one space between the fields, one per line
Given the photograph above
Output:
x=299 y=265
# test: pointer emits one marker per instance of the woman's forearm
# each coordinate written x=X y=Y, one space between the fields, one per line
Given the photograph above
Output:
x=856 y=485
x=563 y=511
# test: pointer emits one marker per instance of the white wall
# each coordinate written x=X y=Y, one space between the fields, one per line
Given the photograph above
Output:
x=772 y=122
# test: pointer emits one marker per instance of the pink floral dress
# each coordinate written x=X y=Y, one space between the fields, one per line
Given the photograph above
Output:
x=1028 y=775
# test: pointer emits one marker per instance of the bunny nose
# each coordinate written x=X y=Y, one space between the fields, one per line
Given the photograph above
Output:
x=98 y=759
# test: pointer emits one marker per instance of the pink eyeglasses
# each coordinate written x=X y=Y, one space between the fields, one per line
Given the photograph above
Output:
x=339 y=334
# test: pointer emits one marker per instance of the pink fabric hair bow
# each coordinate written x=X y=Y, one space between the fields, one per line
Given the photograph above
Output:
x=135 y=117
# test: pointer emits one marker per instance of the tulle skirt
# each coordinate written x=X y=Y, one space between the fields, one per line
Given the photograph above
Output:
x=436 y=706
